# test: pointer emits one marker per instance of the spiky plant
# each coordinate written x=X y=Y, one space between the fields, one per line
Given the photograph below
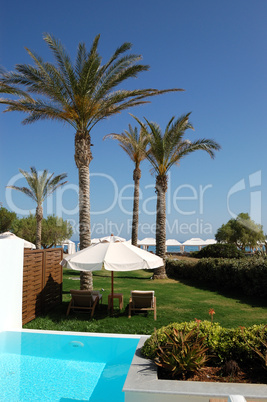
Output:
x=80 y=94
x=40 y=187
x=183 y=353
x=167 y=149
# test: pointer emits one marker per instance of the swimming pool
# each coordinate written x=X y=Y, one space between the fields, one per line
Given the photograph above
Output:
x=38 y=366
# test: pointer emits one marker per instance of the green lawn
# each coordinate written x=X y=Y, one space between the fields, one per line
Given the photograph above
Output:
x=176 y=302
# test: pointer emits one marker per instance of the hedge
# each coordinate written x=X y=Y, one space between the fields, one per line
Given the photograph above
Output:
x=219 y=250
x=247 y=275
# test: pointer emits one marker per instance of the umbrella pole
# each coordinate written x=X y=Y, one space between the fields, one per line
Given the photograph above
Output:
x=112 y=290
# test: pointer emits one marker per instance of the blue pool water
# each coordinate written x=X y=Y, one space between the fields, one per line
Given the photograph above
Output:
x=57 y=367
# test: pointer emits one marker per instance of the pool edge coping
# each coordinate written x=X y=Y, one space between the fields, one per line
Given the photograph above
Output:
x=142 y=378
x=100 y=334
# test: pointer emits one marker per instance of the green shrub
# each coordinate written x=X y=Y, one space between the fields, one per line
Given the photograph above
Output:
x=223 y=344
x=259 y=339
x=219 y=251
x=174 y=267
x=205 y=328
x=246 y=275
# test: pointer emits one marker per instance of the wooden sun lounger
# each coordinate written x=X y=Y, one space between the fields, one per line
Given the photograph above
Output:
x=142 y=301
x=83 y=300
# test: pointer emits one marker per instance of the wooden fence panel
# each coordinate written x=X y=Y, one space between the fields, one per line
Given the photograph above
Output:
x=52 y=292
x=42 y=282
x=32 y=285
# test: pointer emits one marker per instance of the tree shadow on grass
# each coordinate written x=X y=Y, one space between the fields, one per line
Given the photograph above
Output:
x=228 y=293
x=106 y=273
x=71 y=272
x=75 y=275
x=124 y=274
x=58 y=314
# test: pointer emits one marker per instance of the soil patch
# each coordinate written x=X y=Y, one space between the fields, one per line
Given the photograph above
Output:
x=231 y=372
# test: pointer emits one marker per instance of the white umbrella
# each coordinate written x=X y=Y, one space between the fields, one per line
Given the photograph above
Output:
x=70 y=244
x=103 y=239
x=9 y=235
x=173 y=242
x=111 y=239
x=114 y=255
x=195 y=241
x=148 y=241
x=94 y=241
x=210 y=241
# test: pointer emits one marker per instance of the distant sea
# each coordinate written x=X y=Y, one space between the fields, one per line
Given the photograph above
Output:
x=170 y=249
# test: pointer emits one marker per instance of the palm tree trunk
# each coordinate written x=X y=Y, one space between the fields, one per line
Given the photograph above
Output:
x=84 y=207
x=39 y=217
x=136 y=177
x=161 y=188
x=83 y=157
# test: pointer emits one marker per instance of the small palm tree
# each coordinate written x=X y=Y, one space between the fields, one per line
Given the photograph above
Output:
x=134 y=144
x=40 y=187
x=80 y=94
x=166 y=150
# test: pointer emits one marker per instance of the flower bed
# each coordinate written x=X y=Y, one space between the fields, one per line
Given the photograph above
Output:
x=204 y=351
x=143 y=385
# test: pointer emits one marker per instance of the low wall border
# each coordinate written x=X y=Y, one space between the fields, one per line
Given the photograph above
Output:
x=142 y=384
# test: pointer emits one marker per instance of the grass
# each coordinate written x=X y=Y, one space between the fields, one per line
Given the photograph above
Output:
x=176 y=302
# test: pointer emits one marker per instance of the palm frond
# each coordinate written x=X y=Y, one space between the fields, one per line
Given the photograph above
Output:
x=132 y=142
x=55 y=183
x=120 y=50
x=24 y=190
x=80 y=59
x=9 y=90
x=169 y=148
x=117 y=73
x=40 y=185
x=63 y=60
x=203 y=144
x=82 y=93
x=89 y=74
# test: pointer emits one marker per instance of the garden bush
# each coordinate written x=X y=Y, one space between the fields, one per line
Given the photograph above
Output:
x=246 y=275
x=222 y=344
x=219 y=251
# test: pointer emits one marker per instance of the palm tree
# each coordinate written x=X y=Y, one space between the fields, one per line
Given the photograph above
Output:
x=134 y=144
x=166 y=150
x=81 y=95
x=40 y=187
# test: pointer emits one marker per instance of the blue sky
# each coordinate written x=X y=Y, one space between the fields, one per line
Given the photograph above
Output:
x=215 y=50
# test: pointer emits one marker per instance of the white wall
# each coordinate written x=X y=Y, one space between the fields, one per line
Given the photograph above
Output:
x=11 y=277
